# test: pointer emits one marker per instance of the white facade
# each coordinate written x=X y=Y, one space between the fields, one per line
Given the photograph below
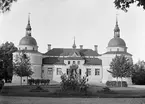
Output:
x=56 y=62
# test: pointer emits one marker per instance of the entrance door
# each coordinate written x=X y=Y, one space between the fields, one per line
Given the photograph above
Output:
x=50 y=73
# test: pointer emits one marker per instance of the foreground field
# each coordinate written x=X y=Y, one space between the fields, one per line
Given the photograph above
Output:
x=39 y=100
x=53 y=91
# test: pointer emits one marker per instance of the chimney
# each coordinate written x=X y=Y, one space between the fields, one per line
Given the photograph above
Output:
x=96 y=48
x=49 y=47
x=81 y=46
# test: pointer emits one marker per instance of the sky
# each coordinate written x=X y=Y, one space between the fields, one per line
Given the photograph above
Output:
x=91 y=22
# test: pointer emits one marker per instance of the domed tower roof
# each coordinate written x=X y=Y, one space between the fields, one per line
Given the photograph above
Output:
x=28 y=39
x=116 y=41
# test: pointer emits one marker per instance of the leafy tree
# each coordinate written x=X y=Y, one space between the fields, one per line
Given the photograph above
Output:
x=5 y=5
x=125 y=4
x=22 y=66
x=138 y=76
x=121 y=67
x=6 y=60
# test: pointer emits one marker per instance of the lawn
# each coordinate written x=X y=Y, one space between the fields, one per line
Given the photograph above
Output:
x=54 y=91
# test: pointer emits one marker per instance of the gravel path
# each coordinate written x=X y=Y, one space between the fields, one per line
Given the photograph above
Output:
x=39 y=100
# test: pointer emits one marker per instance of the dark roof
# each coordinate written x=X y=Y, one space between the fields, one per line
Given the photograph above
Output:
x=53 y=60
x=60 y=61
x=118 y=52
x=29 y=51
x=68 y=51
x=93 y=61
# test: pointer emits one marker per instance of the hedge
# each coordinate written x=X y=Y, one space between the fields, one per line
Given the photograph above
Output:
x=38 y=81
x=116 y=84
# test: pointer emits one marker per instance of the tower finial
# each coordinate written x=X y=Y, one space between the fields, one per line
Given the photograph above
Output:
x=28 y=28
x=29 y=18
x=117 y=18
x=116 y=29
x=74 y=45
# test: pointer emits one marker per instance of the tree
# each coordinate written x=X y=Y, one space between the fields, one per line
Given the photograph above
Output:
x=138 y=76
x=121 y=67
x=22 y=66
x=125 y=4
x=5 y=5
x=6 y=60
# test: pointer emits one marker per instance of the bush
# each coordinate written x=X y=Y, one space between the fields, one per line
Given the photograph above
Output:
x=116 y=84
x=138 y=78
x=72 y=84
x=38 y=81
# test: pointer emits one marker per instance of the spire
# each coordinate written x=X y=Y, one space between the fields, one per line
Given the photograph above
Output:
x=28 y=28
x=74 y=45
x=116 y=29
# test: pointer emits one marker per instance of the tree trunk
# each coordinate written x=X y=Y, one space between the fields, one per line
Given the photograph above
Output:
x=21 y=81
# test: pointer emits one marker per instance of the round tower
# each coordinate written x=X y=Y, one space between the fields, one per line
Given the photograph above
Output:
x=29 y=45
x=116 y=46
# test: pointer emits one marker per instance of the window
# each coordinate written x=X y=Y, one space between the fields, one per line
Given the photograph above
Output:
x=42 y=71
x=88 y=72
x=78 y=62
x=59 y=71
x=67 y=71
x=117 y=49
x=49 y=72
x=97 y=71
x=80 y=72
x=33 y=48
x=73 y=62
x=68 y=62
x=25 y=48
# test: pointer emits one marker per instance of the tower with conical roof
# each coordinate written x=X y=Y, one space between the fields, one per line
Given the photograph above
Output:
x=116 y=46
x=29 y=45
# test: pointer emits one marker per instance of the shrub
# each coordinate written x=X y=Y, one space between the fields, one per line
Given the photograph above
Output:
x=38 y=81
x=73 y=84
x=116 y=84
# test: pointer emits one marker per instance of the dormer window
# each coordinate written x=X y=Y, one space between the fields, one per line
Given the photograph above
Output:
x=73 y=62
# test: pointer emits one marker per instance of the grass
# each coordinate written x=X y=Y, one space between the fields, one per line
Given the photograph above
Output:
x=54 y=91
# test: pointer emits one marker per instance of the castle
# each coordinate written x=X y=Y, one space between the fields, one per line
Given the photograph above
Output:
x=57 y=61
